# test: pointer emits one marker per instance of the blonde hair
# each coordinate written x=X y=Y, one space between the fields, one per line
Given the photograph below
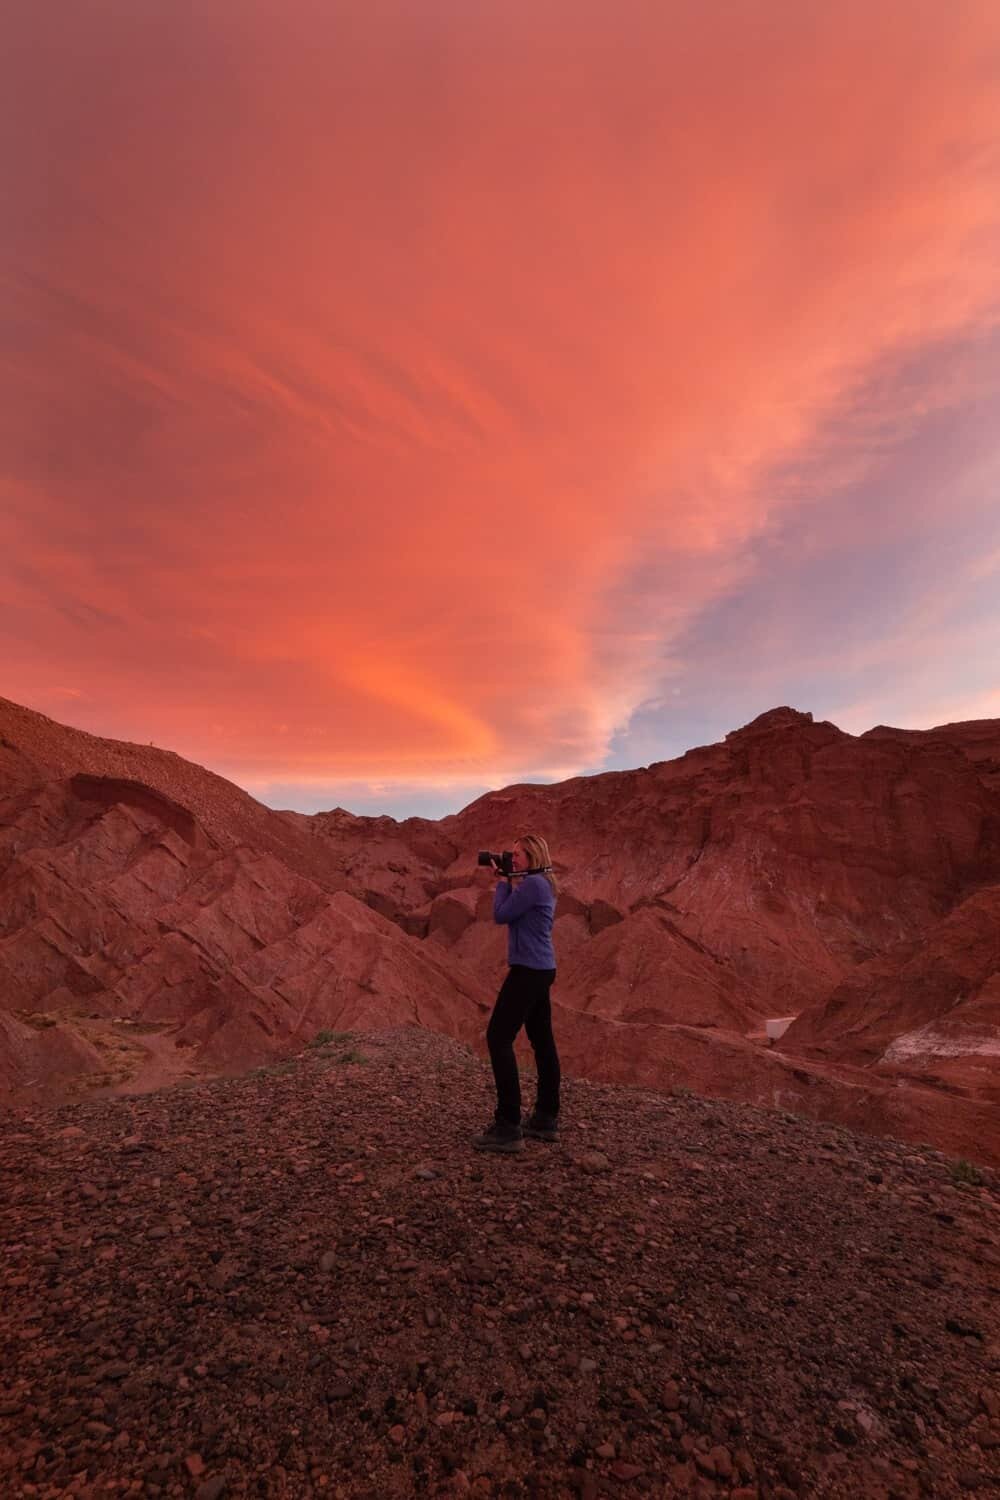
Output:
x=537 y=851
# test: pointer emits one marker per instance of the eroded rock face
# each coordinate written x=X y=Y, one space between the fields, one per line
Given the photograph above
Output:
x=790 y=853
x=645 y=968
x=930 y=1008
x=31 y=1053
x=155 y=920
x=118 y=908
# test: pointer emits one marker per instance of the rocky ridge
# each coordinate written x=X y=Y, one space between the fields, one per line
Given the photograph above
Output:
x=158 y=923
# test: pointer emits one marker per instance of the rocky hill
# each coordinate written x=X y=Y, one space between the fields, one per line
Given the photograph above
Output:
x=302 y=1282
x=158 y=923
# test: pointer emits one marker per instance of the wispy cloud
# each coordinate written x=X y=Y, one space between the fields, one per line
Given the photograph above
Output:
x=421 y=380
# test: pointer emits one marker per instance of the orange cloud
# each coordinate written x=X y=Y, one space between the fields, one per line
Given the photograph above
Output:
x=363 y=356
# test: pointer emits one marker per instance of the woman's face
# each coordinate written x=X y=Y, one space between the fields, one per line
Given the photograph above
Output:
x=521 y=860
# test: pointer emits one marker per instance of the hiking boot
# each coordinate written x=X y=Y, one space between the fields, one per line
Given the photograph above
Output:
x=540 y=1127
x=499 y=1136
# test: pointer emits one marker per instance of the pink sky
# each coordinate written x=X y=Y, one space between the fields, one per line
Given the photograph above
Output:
x=400 y=400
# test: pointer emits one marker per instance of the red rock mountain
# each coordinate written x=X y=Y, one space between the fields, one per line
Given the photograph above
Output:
x=155 y=920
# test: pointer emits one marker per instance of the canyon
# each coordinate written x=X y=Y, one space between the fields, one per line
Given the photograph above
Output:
x=158 y=925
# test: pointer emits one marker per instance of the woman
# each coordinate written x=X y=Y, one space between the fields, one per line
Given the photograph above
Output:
x=525 y=902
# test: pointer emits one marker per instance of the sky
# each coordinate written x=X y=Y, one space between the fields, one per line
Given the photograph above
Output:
x=403 y=400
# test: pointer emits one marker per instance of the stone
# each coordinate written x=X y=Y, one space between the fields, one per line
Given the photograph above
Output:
x=211 y=1489
x=626 y=1471
x=593 y=1161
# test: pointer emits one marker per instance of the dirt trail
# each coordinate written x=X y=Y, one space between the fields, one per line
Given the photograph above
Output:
x=160 y=1064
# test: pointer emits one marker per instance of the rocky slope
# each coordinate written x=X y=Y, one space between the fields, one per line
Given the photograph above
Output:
x=121 y=911
x=156 y=922
x=886 y=1100
x=930 y=1006
x=790 y=852
x=141 y=895
x=303 y=1282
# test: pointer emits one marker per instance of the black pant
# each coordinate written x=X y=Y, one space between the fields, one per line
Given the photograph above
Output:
x=524 y=1001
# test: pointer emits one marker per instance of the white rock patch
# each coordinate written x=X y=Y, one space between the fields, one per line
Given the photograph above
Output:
x=929 y=1041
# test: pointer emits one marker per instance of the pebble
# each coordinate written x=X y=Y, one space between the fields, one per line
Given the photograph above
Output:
x=211 y=1489
x=593 y=1161
x=481 y=1328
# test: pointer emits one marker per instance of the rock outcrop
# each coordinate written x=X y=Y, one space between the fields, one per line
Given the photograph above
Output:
x=928 y=1008
x=119 y=908
x=791 y=852
x=156 y=922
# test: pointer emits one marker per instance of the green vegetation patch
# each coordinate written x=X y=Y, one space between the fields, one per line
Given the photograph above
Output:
x=325 y=1037
x=964 y=1174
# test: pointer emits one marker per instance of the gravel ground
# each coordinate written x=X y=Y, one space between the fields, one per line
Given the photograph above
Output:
x=305 y=1282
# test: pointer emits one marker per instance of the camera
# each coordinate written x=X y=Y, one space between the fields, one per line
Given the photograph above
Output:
x=504 y=860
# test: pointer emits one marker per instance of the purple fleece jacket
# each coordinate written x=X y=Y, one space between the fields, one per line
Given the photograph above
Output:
x=528 y=906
